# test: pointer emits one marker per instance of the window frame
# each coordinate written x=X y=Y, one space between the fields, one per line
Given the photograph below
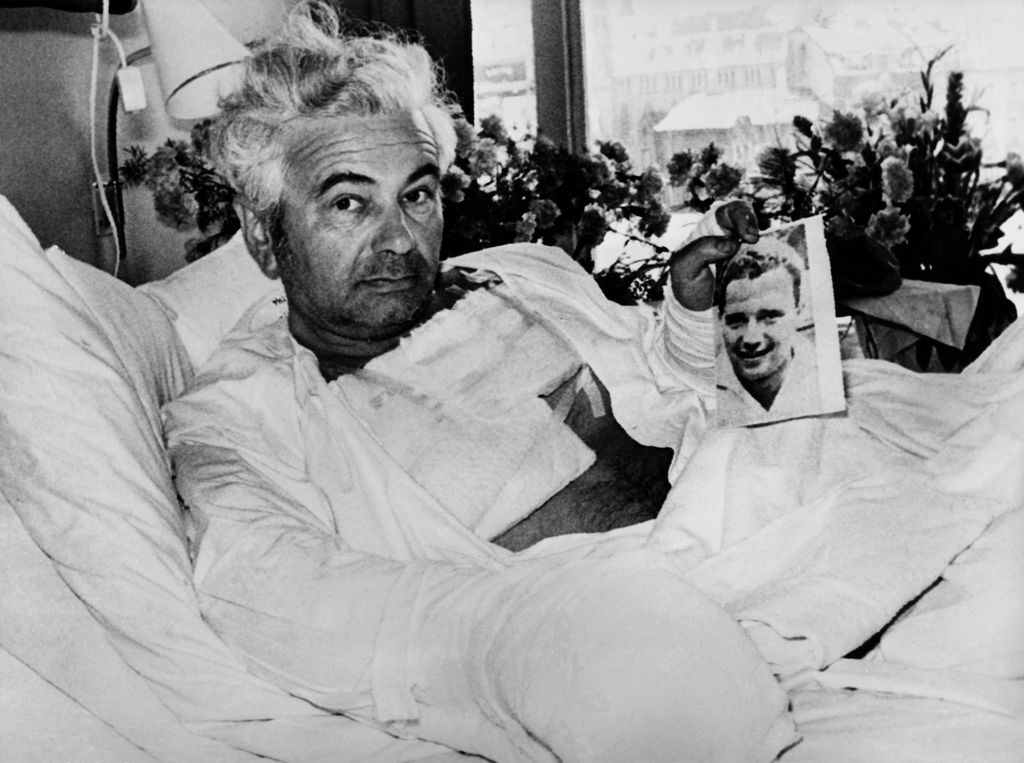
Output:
x=560 y=76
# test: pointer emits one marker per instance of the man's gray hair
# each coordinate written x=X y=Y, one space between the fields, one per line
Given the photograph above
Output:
x=313 y=68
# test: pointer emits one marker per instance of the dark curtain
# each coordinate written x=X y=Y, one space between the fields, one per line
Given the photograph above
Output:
x=444 y=26
x=78 y=6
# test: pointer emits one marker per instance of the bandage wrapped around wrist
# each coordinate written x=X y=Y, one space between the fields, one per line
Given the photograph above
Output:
x=593 y=660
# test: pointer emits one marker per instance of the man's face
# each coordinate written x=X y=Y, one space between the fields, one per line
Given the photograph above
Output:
x=362 y=225
x=758 y=324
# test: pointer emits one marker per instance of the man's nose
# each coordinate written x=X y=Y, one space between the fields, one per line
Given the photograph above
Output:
x=393 y=232
x=752 y=337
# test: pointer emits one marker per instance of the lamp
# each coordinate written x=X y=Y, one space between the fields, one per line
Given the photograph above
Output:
x=197 y=59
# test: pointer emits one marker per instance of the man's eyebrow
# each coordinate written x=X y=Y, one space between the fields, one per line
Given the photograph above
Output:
x=342 y=177
x=427 y=170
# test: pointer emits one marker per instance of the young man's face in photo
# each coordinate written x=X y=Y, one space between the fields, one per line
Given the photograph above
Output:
x=758 y=324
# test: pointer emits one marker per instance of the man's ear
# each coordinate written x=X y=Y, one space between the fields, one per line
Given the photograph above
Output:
x=258 y=240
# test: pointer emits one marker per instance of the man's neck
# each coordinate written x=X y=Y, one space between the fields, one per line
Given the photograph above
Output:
x=337 y=363
x=338 y=355
x=344 y=356
x=764 y=391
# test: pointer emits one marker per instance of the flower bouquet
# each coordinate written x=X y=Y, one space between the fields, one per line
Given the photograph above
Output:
x=501 y=191
x=905 y=194
x=187 y=192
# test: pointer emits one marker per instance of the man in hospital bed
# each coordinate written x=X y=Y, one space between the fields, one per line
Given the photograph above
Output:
x=368 y=475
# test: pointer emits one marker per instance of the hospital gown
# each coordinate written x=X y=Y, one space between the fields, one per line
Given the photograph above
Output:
x=341 y=530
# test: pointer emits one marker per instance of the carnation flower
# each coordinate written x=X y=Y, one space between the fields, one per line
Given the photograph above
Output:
x=614 y=151
x=845 y=131
x=484 y=158
x=776 y=164
x=650 y=183
x=887 y=147
x=872 y=103
x=493 y=128
x=598 y=168
x=174 y=207
x=592 y=224
x=709 y=155
x=1014 y=168
x=722 y=179
x=454 y=182
x=679 y=167
x=655 y=220
x=904 y=112
x=544 y=212
x=897 y=180
x=465 y=138
x=888 y=226
x=526 y=226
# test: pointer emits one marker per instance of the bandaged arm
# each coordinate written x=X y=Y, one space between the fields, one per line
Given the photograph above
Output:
x=505 y=662
x=685 y=346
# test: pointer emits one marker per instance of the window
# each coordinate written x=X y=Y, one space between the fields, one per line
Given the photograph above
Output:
x=503 y=64
x=582 y=70
x=823 y=53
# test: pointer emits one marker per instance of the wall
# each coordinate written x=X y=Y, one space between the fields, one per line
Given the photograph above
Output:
x=45 y=61
x=44 y=165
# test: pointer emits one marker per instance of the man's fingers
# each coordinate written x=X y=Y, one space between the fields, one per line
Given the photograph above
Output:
x=709 y=249
x=738 y=219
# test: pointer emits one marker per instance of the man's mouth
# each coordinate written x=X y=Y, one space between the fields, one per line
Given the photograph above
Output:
x=392 y=282
x=753 y=356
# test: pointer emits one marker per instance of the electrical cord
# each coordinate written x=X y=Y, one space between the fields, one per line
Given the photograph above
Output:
x=101 y=30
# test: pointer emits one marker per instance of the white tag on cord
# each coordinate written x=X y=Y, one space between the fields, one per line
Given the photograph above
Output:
x=133 y=94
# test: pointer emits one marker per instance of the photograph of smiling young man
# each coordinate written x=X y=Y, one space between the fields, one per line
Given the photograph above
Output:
x=777 y=353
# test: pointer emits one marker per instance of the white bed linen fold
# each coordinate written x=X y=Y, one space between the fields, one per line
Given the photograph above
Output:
x=813 y=556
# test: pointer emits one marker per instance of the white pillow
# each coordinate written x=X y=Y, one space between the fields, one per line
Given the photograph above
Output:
x=205 y=299
x=85 y=364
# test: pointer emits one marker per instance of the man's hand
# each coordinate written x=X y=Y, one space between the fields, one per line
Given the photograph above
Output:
x=693 y=283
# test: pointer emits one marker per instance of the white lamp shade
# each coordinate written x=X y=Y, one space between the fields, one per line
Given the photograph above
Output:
x=197 y=59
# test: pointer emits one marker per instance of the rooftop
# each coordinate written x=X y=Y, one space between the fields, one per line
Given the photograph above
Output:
x=721 y=111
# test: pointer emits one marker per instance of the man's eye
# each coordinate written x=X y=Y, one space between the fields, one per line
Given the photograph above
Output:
x=420 y=196
x=347 y=204
x=734 y=320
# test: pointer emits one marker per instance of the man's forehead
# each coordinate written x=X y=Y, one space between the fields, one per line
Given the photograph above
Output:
x=774 y=286
x=320 y=142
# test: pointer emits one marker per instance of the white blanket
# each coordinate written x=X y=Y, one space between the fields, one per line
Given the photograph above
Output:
x=820 y=531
